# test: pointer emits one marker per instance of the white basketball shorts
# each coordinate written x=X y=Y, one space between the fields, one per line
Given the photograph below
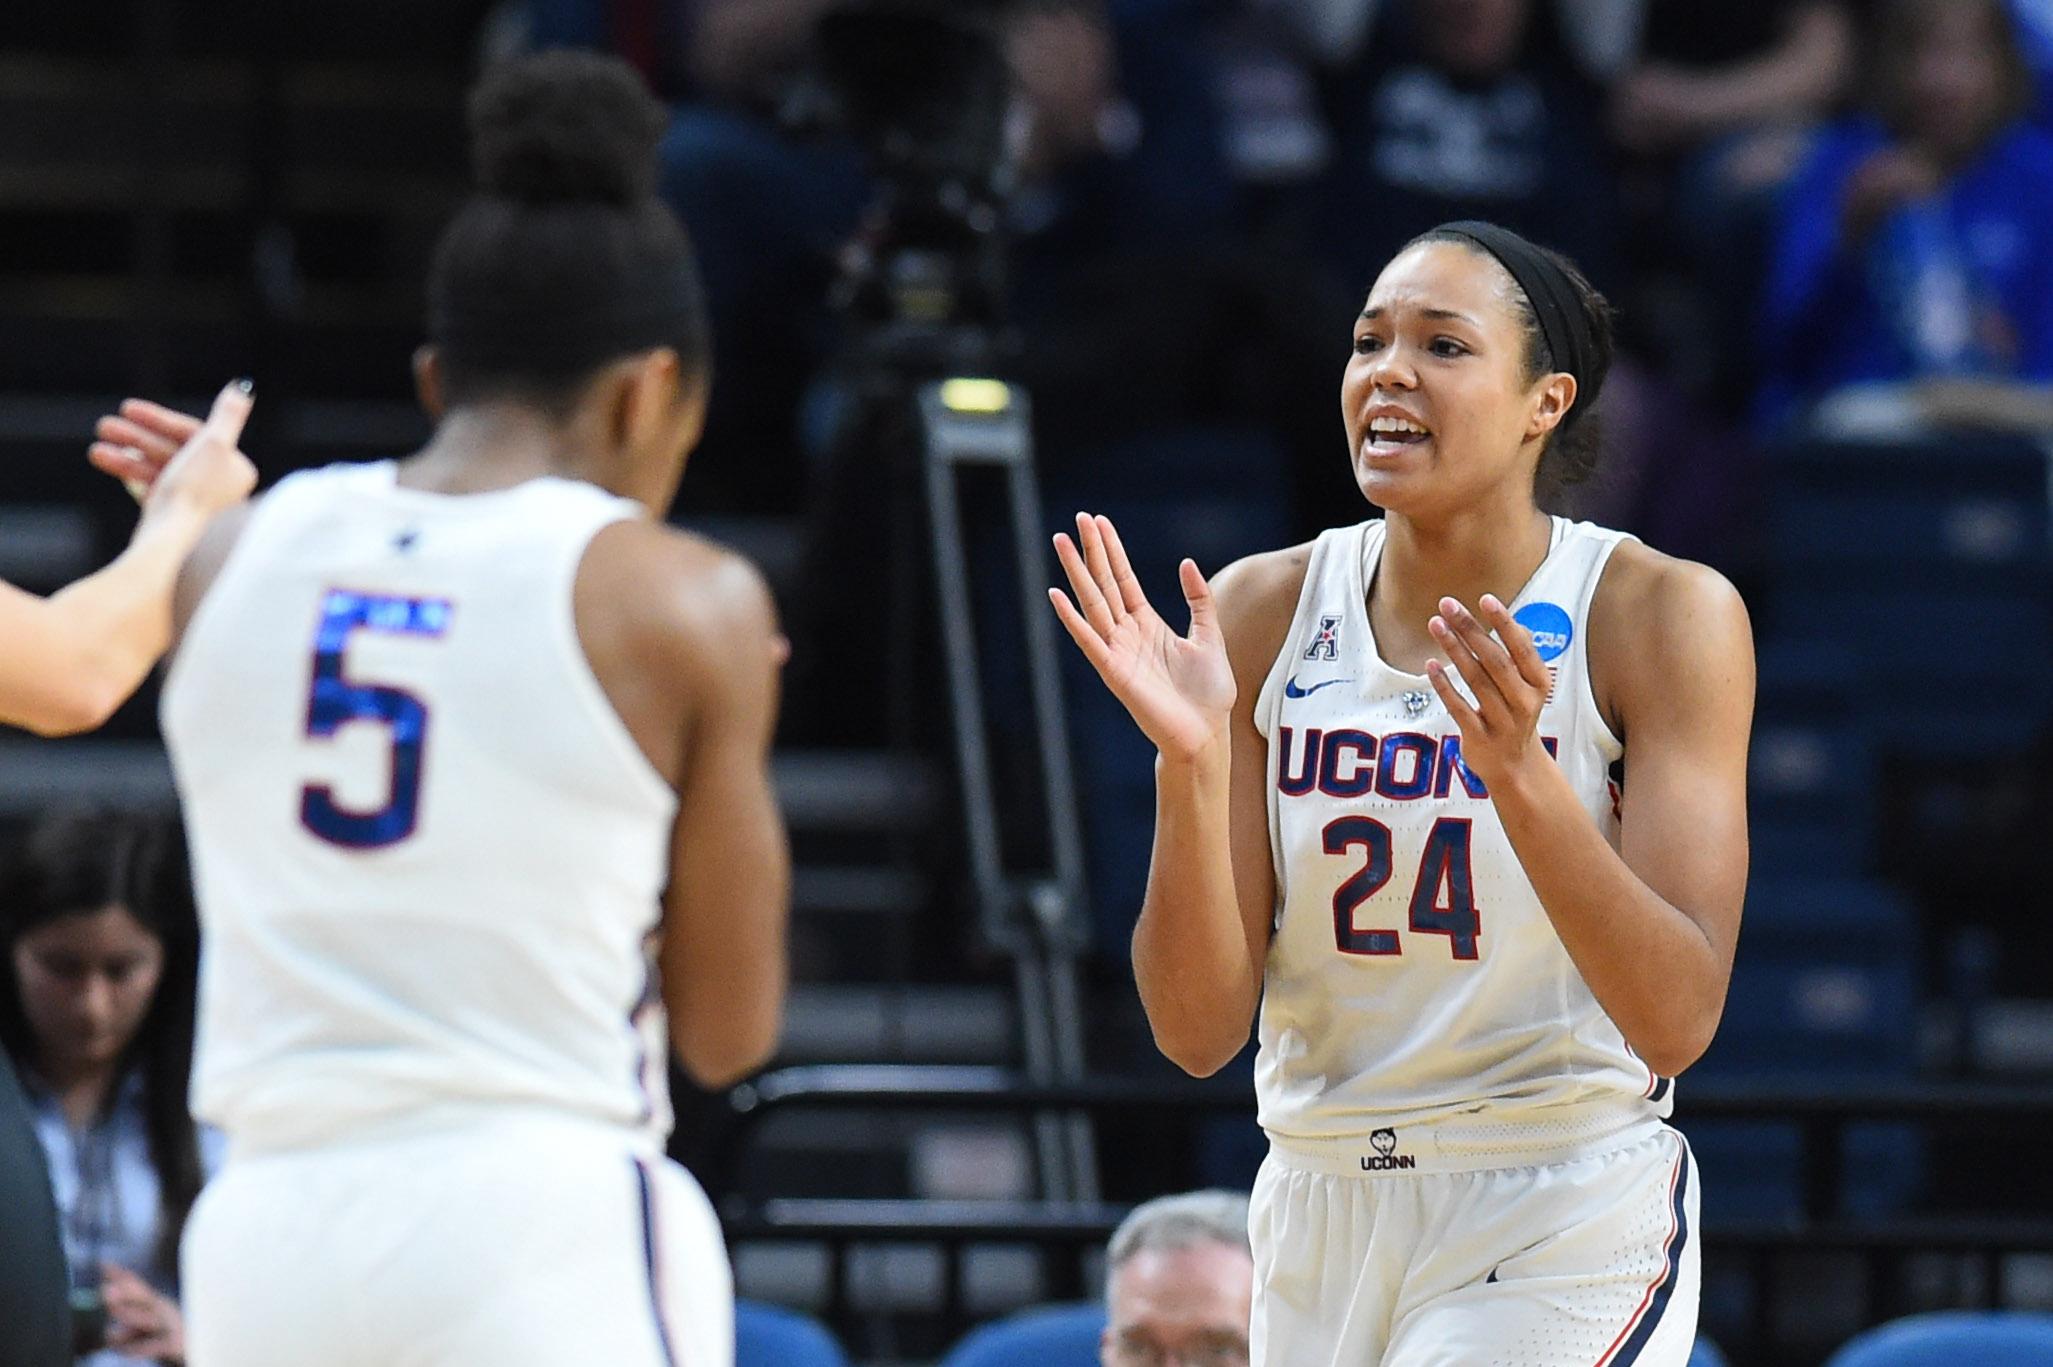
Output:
x=1591 y=1262
x=523 y=1244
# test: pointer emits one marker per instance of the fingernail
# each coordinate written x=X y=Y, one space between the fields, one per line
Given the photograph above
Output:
x=246 y=385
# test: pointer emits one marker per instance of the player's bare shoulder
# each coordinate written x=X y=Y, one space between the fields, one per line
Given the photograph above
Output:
x=1659 y=625
x=673 y=625
x=1257 y=597
x=672 y=592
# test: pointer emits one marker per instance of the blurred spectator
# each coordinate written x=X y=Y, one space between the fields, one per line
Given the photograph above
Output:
x=1117 y=144
x=96 y=1012
x=1180 y=1283
x=1746 y=72
x=2035 y=32
x=1718 y=110
x=1136 y=320
x=1124 y=145
x=1270 y=53
x=767 y=212
x=1467 y=109
x=1917 y=245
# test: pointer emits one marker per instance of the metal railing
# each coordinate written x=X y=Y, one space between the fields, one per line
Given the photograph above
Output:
x=1073 y=1231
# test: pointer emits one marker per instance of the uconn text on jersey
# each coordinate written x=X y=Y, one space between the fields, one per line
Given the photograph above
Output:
x=1403 y=766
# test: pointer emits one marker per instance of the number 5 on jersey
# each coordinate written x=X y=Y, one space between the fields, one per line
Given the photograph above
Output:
x=335 y=699
x=1444 y=867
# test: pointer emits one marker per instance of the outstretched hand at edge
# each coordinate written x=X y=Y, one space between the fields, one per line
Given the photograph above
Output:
x=160 y=454
x=1178 y=689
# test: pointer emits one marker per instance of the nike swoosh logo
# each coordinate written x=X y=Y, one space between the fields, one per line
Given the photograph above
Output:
x=1291 y=690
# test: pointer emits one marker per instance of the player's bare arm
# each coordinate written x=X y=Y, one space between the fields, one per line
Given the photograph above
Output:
x=74 y=657
x=1203 y=935
x=1651 y=926
x=684 y=637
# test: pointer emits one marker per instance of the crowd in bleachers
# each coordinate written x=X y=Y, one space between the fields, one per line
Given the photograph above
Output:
x=1788 y=199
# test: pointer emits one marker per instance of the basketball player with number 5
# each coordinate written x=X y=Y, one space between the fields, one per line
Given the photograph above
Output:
x=1457 y=797
x=474 y=756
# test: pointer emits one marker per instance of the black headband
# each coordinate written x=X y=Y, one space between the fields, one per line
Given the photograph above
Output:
x=1555 y=301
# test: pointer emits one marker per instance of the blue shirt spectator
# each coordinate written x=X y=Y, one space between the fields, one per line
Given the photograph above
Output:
x=1919 y=245
x=2035 y=34
x=96 y=1014
x=109 y=1197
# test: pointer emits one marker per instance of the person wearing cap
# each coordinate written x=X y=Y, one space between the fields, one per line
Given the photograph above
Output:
x=1396 y=811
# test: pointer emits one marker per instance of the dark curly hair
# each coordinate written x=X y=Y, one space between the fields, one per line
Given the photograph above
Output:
x=563 y=259
x=1575 y=445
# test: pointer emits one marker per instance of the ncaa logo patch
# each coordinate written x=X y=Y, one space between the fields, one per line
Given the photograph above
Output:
x=1552 y=629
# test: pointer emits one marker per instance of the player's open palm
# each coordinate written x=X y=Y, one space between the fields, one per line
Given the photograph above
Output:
x=209 y=472
x=1179 y=688
x=166 y=457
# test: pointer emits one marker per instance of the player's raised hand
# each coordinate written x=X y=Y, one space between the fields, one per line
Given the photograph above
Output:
x=208 y=472
x=135 y=444
x=1178 y=688
x=1504 y=672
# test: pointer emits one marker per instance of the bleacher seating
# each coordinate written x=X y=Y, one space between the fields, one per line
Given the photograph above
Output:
x=772 y=1336
x=1953 y=1339
x=1927 y=563
x=1046 y=1336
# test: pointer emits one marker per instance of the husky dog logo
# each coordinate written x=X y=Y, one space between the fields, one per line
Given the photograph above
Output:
x=1387 y=1158
x=1325 y=645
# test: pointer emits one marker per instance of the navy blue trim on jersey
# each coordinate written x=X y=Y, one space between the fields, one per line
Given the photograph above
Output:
x=641 y=1181
x=1630 y=1353
x=1660 y=1092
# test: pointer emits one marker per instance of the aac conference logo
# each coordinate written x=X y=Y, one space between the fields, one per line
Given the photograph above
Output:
x=1551 y=627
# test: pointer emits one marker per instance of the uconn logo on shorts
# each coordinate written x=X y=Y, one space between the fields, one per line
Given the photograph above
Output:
x=1386 y=1158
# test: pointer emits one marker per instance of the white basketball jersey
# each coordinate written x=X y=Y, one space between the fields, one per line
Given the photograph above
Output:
x=428 y=853
x=1419 y=1007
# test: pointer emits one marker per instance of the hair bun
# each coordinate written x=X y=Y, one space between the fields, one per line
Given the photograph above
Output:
x=565 y=126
